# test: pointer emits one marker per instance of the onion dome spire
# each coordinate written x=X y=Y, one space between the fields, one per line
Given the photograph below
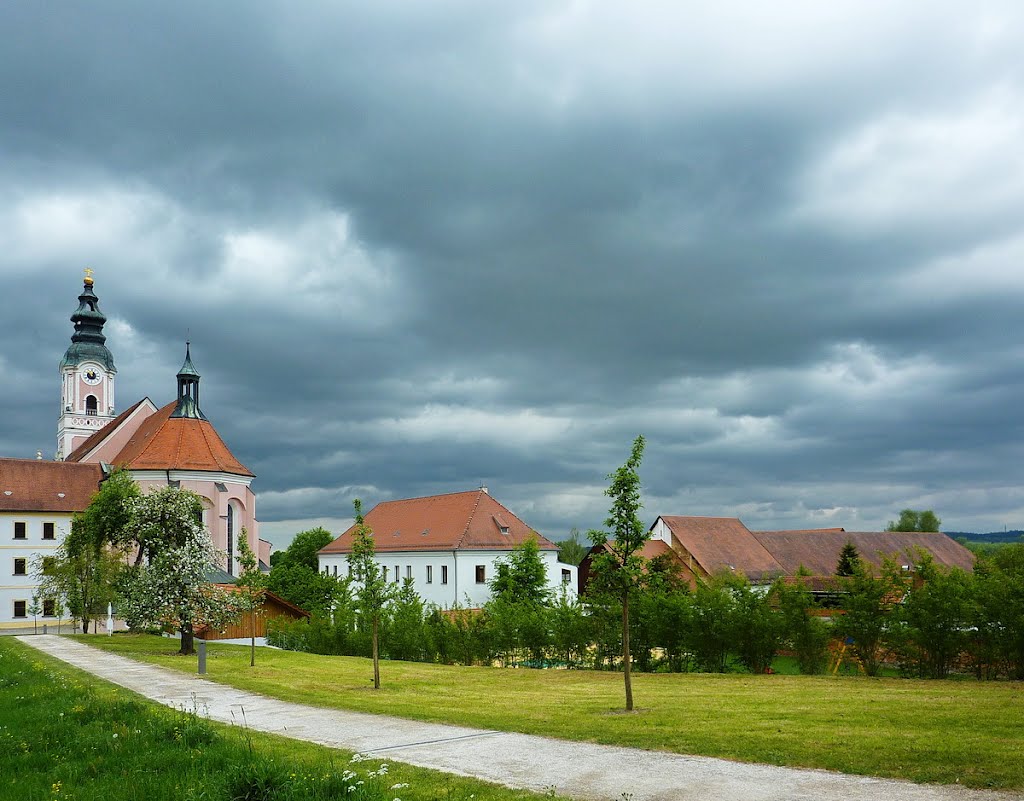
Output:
x=188 y=389
x=88 y=342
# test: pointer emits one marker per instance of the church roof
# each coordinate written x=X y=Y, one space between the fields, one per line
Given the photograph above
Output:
x=88 y=342
x=32 y=485
x=458 y=521
x=164 y=442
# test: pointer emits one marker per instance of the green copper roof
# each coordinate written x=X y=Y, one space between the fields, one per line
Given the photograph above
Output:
x=88 y=342
x=188 y=369
x=188 y=389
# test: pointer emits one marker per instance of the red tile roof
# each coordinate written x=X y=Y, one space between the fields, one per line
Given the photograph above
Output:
x=818 y=550
x=38 y=486
x=458 y=521
x=723 y=544
x=163 y=442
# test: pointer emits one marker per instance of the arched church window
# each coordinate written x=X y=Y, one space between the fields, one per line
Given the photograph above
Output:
x=231 y=540
x=90 y=405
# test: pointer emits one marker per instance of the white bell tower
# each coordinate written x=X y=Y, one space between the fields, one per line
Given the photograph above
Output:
x=87 y=376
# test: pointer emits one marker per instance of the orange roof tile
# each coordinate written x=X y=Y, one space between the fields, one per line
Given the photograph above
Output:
x=163 y=442
x=458 y=521
x=32 y=485
x=723 y=543
x=818 y=550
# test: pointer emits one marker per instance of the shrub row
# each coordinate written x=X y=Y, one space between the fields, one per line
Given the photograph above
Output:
x=925 y=622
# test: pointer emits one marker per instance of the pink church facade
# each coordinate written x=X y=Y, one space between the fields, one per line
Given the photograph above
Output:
x=174 y=445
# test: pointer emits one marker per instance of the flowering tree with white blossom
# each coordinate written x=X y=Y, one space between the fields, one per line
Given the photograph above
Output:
x=171 y=586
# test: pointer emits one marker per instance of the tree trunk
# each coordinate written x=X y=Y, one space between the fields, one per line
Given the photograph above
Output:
x=376 y=657
x=85 y=625
x=625 y=652
x=188 y=646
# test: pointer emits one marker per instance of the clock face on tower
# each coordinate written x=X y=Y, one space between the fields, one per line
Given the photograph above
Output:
x=91 y=376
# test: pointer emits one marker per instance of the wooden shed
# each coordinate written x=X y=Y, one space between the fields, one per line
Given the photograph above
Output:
x=273 y=606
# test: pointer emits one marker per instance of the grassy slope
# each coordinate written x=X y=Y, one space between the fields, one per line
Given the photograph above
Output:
x=926 y=731
x=66 y=734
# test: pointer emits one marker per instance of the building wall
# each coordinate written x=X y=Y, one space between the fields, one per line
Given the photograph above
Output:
x=33 y=548
x=462 y=586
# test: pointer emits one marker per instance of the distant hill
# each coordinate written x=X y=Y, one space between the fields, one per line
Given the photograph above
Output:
x=1015 y=535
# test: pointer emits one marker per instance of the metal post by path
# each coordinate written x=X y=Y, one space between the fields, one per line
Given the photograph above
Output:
x=202 y=657
x=45 y=628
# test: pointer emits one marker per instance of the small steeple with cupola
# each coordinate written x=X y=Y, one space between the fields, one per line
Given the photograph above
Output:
x=188 y=389
x=87 y=375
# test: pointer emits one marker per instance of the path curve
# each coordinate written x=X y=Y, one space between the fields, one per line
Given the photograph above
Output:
x=581 y=770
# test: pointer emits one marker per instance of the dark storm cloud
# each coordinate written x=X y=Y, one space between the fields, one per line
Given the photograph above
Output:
x=419 y=248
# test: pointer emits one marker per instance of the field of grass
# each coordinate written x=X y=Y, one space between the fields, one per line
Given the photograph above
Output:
x=968 y=732
x=67 y=735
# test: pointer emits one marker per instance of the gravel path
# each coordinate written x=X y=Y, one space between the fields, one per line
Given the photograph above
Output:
x=581 y=770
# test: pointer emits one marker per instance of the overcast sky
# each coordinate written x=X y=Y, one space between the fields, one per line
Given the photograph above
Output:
x=419 y=247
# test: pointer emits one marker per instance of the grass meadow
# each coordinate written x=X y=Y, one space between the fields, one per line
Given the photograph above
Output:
x=68 y=736
x=954 y=732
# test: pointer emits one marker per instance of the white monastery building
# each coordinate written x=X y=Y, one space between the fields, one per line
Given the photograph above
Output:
x=174 y=445
x=448 y=545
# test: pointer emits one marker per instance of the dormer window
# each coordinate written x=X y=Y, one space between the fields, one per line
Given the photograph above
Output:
x=500 y=523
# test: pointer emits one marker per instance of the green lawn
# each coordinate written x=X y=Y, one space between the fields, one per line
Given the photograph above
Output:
x=67 y=735
x=964 y=732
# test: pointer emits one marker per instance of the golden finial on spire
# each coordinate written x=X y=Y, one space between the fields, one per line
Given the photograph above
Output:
x=88 y=276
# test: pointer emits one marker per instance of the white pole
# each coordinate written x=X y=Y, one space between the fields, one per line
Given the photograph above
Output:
x=110 y=620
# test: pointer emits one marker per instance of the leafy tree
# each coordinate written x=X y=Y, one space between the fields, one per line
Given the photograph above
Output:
x=998 y=622
x=805 y=633
x=296 y=577
x=568 y=628
x=868 y=601
x=619 y=566
x=81 y=575
x=711 y=636
x=163 y=518
x=108 y=520
x=406 y=638
x=34 y=608
x=370 y=580
x=849 y=558
x=521 y=577
x=307 y=589
x=251 y=585
x=440 y=635
x=757 y=627
x=914 y=520
x=171 y=587
x=934 y=619
x=304 y=548
x=571 y=551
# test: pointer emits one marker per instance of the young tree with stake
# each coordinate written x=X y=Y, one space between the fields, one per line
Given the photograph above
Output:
x=619 y=567
x=370 y=579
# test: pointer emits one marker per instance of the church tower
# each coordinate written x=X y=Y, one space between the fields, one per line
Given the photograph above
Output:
x=87 y=376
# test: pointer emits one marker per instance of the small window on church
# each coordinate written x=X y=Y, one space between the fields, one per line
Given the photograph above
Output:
x=19 y=530
x=49 y=607
x=48 y=531
x=19 y=567
x=90 y=405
